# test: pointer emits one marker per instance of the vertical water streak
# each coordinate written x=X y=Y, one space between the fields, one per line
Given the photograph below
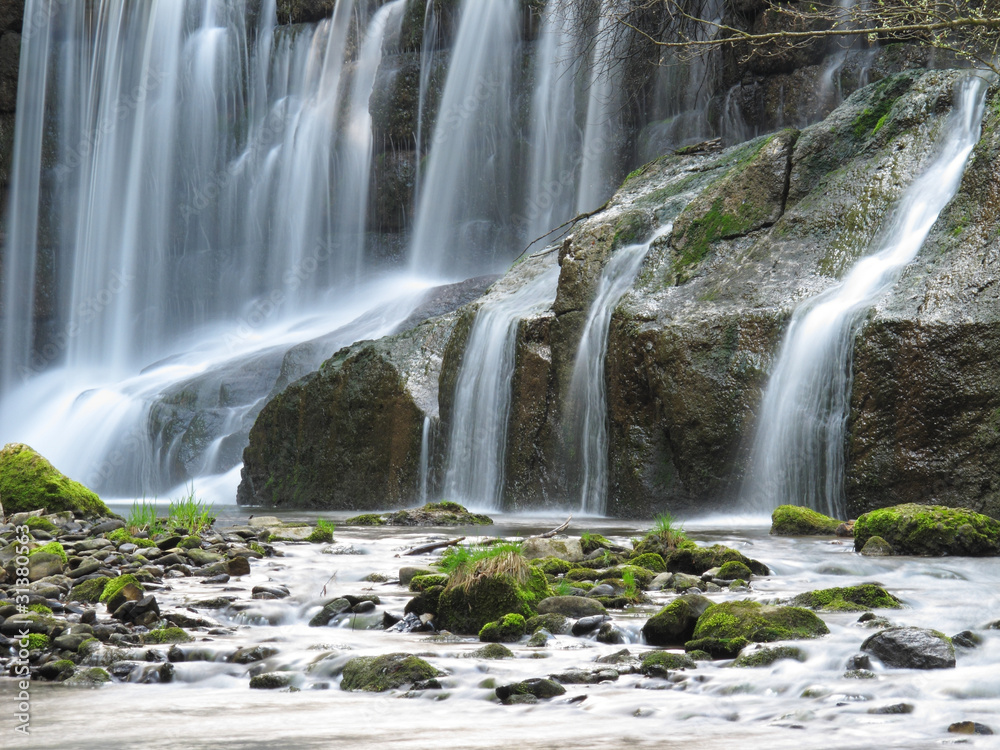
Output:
x=798 y=452
x=463 y=202
x=425 y=458
x=603 y=109
x=556 y=141
x=588 y=402
x=21 y=251
x=428 y=45
x=356 y=147
x=481 y=408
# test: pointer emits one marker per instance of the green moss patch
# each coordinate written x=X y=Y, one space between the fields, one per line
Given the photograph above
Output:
x=365 y=519
x=658 y=662
x=765 y=657
x=465 y=608
x=649 y=561
x=913 y=529
x=696 y=560
x=29 y=482
x=88 y=591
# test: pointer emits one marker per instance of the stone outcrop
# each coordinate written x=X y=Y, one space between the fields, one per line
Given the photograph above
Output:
x=756 y=229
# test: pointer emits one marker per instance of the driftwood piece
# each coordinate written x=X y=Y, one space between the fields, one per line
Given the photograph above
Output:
x=558 y=529
x=424 y=548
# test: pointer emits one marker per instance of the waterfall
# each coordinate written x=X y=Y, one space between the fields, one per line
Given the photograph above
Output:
x=199 y=189
x=463 y=199
x=428 y=45
x=798 y=452
x=588 y=401
x=481 y=406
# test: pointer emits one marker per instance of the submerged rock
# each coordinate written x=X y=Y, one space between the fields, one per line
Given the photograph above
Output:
x=914 y=529
x=911 y=648
x=537 y=687
x=570 y=606
x=766 y=656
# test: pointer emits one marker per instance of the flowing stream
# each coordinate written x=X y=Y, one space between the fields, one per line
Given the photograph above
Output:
x=787 y=706
x=588 y=387
x=798 y=452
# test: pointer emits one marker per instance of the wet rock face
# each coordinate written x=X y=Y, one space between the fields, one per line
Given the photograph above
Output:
x=364 y=410
x=911 y=648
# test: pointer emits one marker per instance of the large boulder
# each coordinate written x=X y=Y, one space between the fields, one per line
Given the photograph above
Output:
x=911 y=648
x=793 y=520
x=467 y=605
x=674 y=624
x=29 y=482
x=376 y=674
x=724 y=629
x=858 y=598
x=913 y=529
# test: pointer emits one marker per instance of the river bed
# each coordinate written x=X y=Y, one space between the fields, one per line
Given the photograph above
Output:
x=789 y=704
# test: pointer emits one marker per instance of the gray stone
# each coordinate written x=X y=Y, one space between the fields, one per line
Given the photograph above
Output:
x=570 y=606
x=911 y=648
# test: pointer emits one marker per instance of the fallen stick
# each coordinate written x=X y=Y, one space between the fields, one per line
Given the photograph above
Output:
x=431 y=547
x=549 y=534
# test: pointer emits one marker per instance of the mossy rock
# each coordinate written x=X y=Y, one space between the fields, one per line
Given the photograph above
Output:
x=734 y=570
x=674 y=624
x=582 y=574
x=376 y=674
x=466 y=608
x=88 y=591
x=590 y=542
x=657 y=663
x=190 y=542
x=437 y=514
x=365 y=519
x=29 y=482
x=757 y=623
x=114 y=585
x=493 y=651
x=508 y=629
x=424 y=582
x=426 y=602
x=89 y=677
x=649 y=561
x=860 y=598
x=321 y=535
x=554 y=623
x=793 y=520
x=715 y=648
x=935 y=530
x=765 y=657
x=643 y=576
x=553 y=566
x=41 y=524
x=876 y=546
x=167 y=635
x=658 y=545
x=52 y=548
x=696 y=560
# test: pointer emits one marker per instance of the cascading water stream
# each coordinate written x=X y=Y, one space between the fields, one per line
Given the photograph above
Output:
x=798 y=453
x=481 y=409
x=463 y=199
x=588 y=401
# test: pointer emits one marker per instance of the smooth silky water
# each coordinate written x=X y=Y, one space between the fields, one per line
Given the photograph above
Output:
x=788 y=705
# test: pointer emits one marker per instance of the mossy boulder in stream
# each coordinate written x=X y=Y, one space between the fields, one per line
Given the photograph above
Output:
x=793 y=520
x=858 y=598
x=726 y=628
x=696 y=560
x=674 y=624
x=913 y=529
x=465 y=607
x=29 y=482
x=376 y=674
x=508 y=629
